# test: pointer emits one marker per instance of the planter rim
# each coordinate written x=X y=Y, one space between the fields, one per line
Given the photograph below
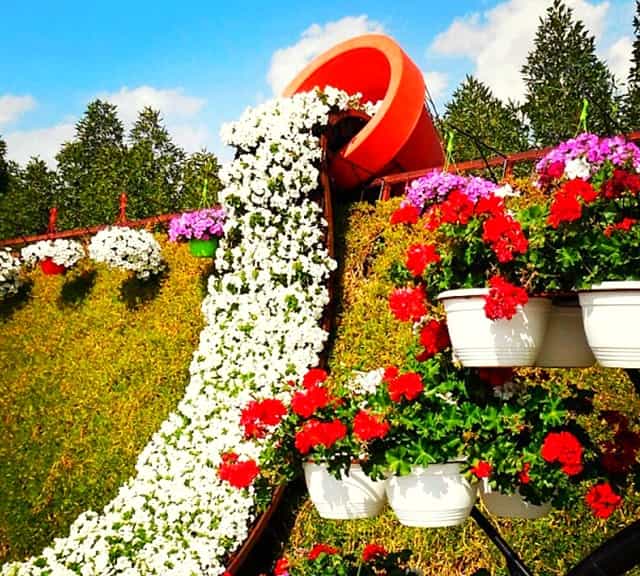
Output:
x=617 y=285
x=462 y=293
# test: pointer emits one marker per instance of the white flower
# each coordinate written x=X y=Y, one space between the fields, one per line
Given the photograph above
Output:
x=506 y=190
x=365 y=383
x=10 y=281
x=577 y=168
x=122 y=247
x=63 y=252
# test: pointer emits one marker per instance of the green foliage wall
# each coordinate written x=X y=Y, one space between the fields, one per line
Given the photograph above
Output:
x=90 y=365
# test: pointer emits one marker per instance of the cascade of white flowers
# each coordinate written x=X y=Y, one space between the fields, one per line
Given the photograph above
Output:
x=262 y=312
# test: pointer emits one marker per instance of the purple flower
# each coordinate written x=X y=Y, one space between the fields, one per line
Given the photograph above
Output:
x=201 y=225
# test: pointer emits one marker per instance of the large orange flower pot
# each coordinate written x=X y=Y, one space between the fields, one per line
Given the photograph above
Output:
x=400 y=136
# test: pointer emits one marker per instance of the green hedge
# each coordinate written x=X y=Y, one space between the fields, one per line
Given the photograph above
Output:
x=91 y=364
x=368 y=337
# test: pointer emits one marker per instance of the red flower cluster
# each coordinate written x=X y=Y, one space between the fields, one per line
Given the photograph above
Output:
x=456 y=209
x=523 y=475
x=505 y=236
x=602 y=500
x=482 y=469
x=305 y=403
x=564 y=448
x=408 y=304
x=503 y=299
x=239 y=473
x=419 y=256
x=625 y=225
x=281 y=568
x=408 y=214
x=620 y=181
x=566 y=206
x=321 y=549
x=258 y=415
x=315 y=433
x=407 y=386
x=368 y=426
x=434 y=337
x=314 y=377
x=372 y=551
x=491 y=204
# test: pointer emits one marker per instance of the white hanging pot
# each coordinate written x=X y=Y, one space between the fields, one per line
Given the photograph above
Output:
x=354 y=496
x=432 y=497
x=611 y=317
x=565 y=343
x=511 y=505
x=480 y=341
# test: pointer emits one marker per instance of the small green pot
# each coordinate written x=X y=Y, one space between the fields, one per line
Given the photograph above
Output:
x=203 y=248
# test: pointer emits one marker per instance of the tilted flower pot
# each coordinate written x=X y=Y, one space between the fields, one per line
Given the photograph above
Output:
x=611 y=316
x=354 y=496
x=511 y=505
x=50 y=268
x=431 y=497
x=565 y=343
x=203 y=248
x=480 y=341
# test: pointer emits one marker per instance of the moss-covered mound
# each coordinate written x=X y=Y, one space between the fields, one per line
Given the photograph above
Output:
x=368 y=337
x=90 y=364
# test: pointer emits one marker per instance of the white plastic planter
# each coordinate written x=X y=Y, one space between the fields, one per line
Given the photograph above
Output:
x=480 y=341
x=354 y=496
x=565 y=343
x=611 y=317
x=432 y=497
x=511 y=505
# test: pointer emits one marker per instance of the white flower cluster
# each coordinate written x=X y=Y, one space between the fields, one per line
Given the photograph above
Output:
x=262 y=329
x=365 y=383
x=10 y=281
x=63 y=252
x=127 y=248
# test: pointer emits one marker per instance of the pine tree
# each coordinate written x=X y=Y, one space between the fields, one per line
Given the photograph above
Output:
x=482 y=124
x=92 y=168
x=632 y=97
x=560 y=71
x=200 y=167
x=155 y=167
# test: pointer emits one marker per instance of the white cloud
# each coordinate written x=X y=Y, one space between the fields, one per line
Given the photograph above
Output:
x=436 y=82
x=45 y=143
x=618 y=58
x=498 y=40
x=287 y=62
x=12 y=107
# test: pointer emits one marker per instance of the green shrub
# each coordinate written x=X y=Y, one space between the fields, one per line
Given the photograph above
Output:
x=91 y=365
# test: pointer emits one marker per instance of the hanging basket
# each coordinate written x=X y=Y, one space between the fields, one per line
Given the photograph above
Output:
x=203 y=248
x=50 y=268
x=432 y=497
x=479 y=341
x=353 y=496
x=611 y=316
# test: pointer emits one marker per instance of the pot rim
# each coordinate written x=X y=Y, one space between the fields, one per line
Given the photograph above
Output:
x=613 y=286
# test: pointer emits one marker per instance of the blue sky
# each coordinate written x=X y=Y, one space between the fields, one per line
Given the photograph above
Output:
x=202 y=63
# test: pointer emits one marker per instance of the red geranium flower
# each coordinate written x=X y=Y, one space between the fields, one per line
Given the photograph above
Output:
x=434 y=337
x=238 y=473
x=372 y=551
x=432 y=218
x=456 y=209
x=281 y=567
x=503 y=299
x=624 y=225
x=313 y=377
x=390 y=373
x=505 y=236
x=580 y=188
x=305 y=403
x=555 y=169
x=491 y=204
x=564 y=208
x=602 y=500
x=408 y=214
x=482 y=469
x=315 y=433
x=321 y=549
x=407 y=386
x=523 y=475
x=369 y=426
x=565 y=448
x=258 y=415
x=408 y=304
x=419 y=256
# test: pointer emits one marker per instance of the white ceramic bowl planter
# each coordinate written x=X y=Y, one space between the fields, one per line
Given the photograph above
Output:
x=611 y=316
x=432 y=497
x=479 y=341
x=565 y=343
x=511 y=505
x=354 y=496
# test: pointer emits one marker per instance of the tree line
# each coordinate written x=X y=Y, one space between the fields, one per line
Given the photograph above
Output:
x=561 y=72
